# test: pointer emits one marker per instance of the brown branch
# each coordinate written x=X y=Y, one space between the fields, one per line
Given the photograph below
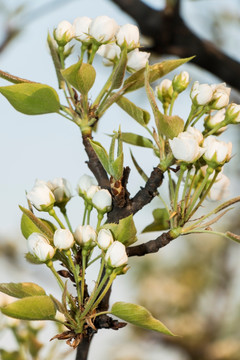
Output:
x=172 y=36
x=83 y=348
x=151 y=246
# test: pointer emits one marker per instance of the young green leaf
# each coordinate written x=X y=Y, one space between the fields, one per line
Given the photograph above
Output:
x=119 y=72
x=139 y=316
x=32 y=98
x=156 y=71
x=140 y=115
x=161 y=221
x=139 y=169
x=116 y=168
x=81 y=76
x=21 y=290
x=137 y=140
x=31 y=308
x=28 y=227
x=101 y=154
x=125 y=231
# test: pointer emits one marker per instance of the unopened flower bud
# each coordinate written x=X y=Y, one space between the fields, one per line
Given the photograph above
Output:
x=219 y=189
x=128 y=34
x=41 y=197
x=102 y=200
x=201 y=94
x=211 y=121
x=84 y=184
x=63 y=239
x=92 y=191
x=164 y=91
x=64 y=33
x=81 y=26
x=233 y=113
x=116 y=255
x=180 y=82
x=137 y=60
x=85 y=236
x=104 y=239
x=110 y=52
x=220 y=97
x=39 y=246
x=103 y=29
x=61 y=190
x=216 y=152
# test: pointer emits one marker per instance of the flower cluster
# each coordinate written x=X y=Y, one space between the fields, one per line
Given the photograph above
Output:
x=106 y=37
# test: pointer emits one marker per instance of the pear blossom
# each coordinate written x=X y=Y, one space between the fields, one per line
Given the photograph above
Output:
x=85 y=236
x=233 y=113
x=64 y=32
x=219 y=189
x=220 y=97
x=116 y=255
x=84 y=183
x=41 y=196
x=63 y=239
x=103 y=29
x=201 y=94
x=164 y=90
x=61 y=190
x=38 y=245
x=92 y=191
x=102 y=200
x=216 y=151
x=109 y=52
x=185 y=146
x=180 y=82
x=137 y=60
x=104 y=239
x=81 y=26
x=128 y=34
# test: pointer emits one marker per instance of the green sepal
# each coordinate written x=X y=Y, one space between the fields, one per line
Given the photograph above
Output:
x=81 y=76
x=139 y=316
x=125 y=231
x=31 y=308
x=101 y=154
x=31 y=259
x=156 y=71
x=32 y=98
x=137 y=140
x=119 y=72
x=30 y=222
x=140 y=115
x=161 y=221
x=21 y=290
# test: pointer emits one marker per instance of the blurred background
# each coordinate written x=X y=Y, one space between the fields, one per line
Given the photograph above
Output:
x=192 y=285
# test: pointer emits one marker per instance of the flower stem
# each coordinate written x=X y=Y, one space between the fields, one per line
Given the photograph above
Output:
x=64 y=212
x=83 y=274
x=54 y=215
x=111 y=278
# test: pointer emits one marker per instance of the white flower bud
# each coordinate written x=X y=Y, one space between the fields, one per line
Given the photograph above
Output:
x=109 y=52
x=219 y=190
x=216 y=151
x=213 y=120
x=85 y=236
x=39 y=246
x=103 y=29
x=116 y=255
x=102 y=200
x=201 y=94
x=63 y=239
x=185 y=146
x=180 y=82
x=84 y=183
x=104 y=239
x=233 y=113
x=64 y=33
x=220 y=97
x=128 y=34
x=164 y=91
x=137 y=60
x=81 y=26
x=41 y=197
x=61 y=190
x=92 y=191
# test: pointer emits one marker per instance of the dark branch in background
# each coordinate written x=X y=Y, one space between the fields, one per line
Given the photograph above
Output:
x=171 y=36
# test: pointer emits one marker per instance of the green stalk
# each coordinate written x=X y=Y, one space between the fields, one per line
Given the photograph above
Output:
x=105 y=88
x=83 y=273
x=96 y=258
x=174 y=97
x=75 y=274
x=64 y=212
x=85 y=213
x=183 y=168
x=216 y=128
x=111 y=278
x=198 y=117
x=193 y=112
x=184 y=193
x=100 y=217
x=54 y=215
x=171 y=192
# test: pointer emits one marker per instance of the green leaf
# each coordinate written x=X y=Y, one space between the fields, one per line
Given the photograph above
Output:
x=101 y=154
x=170 y=126
x=21 y=290
x=56 y=61
x=31 y=308
x=116 y=168
x=137 y=140
x=32 y=98
x=119 y=72
x=139 y=316
x=138 y=167
x=138 y=114
x=125 y=231
x=156 y=71
x=81 y=76
x=161 y=221
x=30 y=223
